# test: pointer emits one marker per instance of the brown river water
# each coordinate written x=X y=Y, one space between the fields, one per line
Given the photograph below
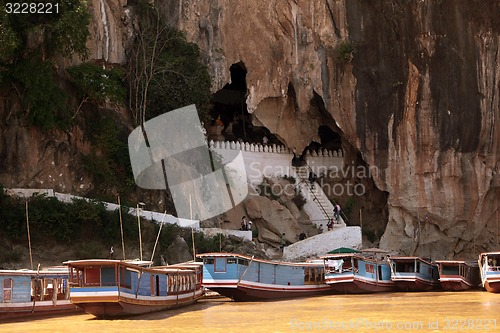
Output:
x=477 y=311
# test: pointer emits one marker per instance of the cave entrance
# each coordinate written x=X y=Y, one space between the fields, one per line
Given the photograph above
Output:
x=230 y=118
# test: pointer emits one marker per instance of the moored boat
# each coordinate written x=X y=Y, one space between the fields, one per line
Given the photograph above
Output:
x=114 y=288
x=29 y=292
x=458 y=275
x=244 y=278
x=413 y=273
x=489 y=264
x=352 y=273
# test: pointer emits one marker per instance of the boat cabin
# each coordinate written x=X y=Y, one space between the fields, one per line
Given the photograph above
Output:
x=235 y=267
x=23 y=286
x=133 y=277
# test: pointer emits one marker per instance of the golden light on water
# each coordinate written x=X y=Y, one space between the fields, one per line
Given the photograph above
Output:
x=476 y=311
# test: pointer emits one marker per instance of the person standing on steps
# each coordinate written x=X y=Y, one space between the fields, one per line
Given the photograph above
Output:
x=336 y=213
x=283 y=241
x=244 y=223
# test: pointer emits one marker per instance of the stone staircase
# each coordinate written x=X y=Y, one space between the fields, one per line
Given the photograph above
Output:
x=318 y=206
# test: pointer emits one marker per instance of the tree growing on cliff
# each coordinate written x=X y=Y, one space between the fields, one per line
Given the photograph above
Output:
x=164 y=69
x=28 y=44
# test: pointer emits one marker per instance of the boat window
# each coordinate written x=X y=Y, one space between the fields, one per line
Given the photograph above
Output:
x=209 y=261
x=243 y=262
x=220 y=265
x=157 y=285
x=125 y=278
x=450 y=270
x=108 y=276
x=7 y=290
x=231 y=260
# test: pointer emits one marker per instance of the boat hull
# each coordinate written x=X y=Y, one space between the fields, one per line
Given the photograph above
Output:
x=416 y=285
x=107 y=306
x=358 y=286
x=457 y=284
x=42 y=308
x=125 y=308
x=492 y=286
x=248 y=293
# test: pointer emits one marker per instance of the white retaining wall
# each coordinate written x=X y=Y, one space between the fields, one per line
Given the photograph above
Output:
x=68 y=198
x=320 y=244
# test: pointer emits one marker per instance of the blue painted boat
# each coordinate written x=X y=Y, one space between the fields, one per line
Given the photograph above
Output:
x=244 y=278
x=352 y=273
x=414 y=273
x=35 y=292
x=458 y=275
x=489 y=264
x=115 y=288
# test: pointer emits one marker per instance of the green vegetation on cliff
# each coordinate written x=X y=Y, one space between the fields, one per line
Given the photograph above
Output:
x=86 y=228
x=29 y=44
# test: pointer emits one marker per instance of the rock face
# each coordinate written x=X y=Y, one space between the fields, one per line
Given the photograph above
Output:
x=178 y=251
x=35 y=159
x=413 y=86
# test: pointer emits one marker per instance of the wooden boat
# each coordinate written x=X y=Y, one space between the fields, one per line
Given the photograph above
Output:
x=457 y=275
x=489 y=264
x=244 y=278
x=352 y=273
x=35 y=292
x=114 y=288
x=413 y=273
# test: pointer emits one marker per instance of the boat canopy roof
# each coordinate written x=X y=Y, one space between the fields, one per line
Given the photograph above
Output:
x=242 y=256
x=451 y=262
x=134 y=265
x=61 y=271
x=490 y=254
x=409 y=259
x=87 y=262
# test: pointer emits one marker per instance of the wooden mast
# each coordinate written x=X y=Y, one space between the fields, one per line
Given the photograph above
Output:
x=192 y=230
x=29 y=236
x=121 y=227
x=158 y=237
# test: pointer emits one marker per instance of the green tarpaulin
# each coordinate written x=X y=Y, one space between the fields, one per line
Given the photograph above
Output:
x=343 y=250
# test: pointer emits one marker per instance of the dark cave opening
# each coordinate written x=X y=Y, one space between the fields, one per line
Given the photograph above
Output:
x=230 y=118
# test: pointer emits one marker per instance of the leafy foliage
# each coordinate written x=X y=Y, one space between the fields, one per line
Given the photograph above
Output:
x=344 y=52
x=42 y=98
x=28 y=43
x=64 y=32
x=98 y=83
x=165 y=71
x=109 y=162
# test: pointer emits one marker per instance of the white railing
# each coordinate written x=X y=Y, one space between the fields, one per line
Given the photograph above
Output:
x=325 y=153
x=250 y=147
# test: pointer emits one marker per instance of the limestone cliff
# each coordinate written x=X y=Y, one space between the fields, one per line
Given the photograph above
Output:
x=417 y=94
x=411 y=86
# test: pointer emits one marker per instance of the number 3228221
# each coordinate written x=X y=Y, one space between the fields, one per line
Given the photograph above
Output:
x=31 y=8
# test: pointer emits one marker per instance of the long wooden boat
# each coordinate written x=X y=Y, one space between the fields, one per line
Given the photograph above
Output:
x=244 y=278
x=352 y=273
x=458 y=275
x=414 y=273
x=489 y=264
x=114 y=288
x=35 y=292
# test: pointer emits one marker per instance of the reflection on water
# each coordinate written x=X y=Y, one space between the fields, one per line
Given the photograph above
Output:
x=393 y=312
